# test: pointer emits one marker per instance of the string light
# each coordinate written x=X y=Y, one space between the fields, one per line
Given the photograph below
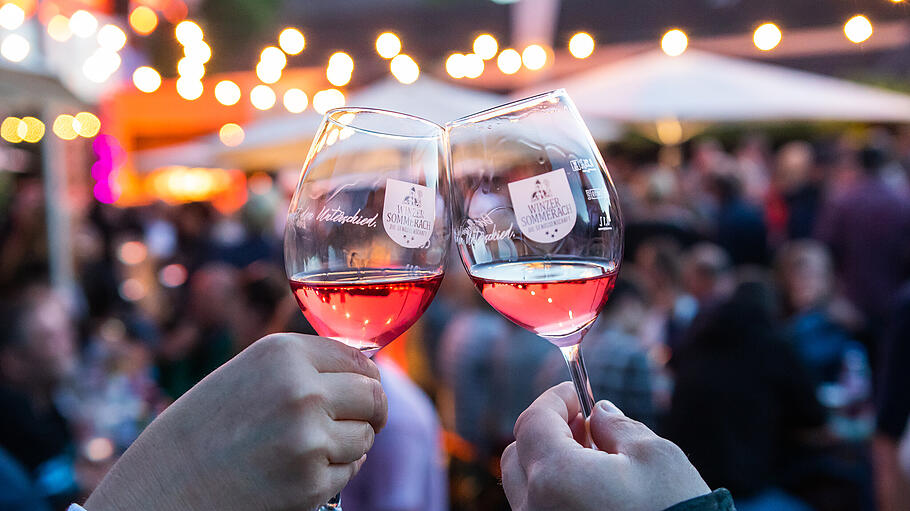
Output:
x=455 y=65
x=485 y=46
x=58 y=27
x=473 y=65
x=273 y=57
x=858 y=28
x=581 y=45
x=268 y=74
x=11 y=16
x=404 y=69
x=189 y=89
x=33 y=130
x=198 y=51
x=388 y=45
x=674 y=42
x=143 y=20
x=227 y=92
x=325 y=100
x=15 y=48
x=262 y=97
x=534 y=57
x=9 y=130
x=295 y=101
x=509 y=61
x=64 y=127
x=86 y=124
x=341 y=60
x=291 y=41
x=767 y=36
x=189 y=68
x=231 y=135
x=146 y=79
x=101 y=65
x=83 y=23
x=111 y=37
x=188 y=32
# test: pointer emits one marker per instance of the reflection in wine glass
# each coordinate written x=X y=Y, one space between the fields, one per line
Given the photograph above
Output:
x=537 y=219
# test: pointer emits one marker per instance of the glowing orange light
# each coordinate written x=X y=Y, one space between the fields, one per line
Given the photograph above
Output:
x=143 y=20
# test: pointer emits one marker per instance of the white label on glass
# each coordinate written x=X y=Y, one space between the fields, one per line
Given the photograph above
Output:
x=408 y=213
x=544 y=206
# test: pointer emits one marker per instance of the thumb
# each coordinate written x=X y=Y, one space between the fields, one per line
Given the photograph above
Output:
x=615 y=433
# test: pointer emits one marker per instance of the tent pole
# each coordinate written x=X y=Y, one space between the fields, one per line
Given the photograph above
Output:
x=57 y=209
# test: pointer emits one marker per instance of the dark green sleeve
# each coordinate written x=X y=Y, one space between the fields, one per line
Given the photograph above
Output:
x=718 y=500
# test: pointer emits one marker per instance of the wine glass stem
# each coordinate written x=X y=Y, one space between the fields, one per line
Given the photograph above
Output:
x=576 y=364
x=334 y=504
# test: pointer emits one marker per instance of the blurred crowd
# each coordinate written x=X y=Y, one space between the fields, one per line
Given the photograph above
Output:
x=761 y=321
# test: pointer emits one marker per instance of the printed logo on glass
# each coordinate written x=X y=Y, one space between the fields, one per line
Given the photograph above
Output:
x=544 y=206
x=408 y=213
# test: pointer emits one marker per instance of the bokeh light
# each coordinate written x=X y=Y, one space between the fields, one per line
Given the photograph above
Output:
x=11 y=16
x=581 y=45
x=291 y=41
x=9 y=130
x=262 y=97
x=188 y=32
x=15 y=48
x=509 y=61
x=58 y=27
x=31 y=129
x=337 y=76
x=86 y=124
x=767 y=36
x=404 y=69
x=273 y=57
x=472 y=65
x=388 y=45
x=485 y=46
x=132 y=290
x=227 y=92
x=132 y=253
x=143 y=20
x=83 y=23
x=858 y=28
x=198 y=51
x=173 y=275
x=63 y=127
x=146 y=79
x=534 y=57
x=327 y=99
x=674 y=42
x=455 y=65
x=189 y=88
x=101 y=65
x=342 y=61
x=111 y=37
x=231 y=134
x=189 y=68
x=267 y=73
x=295 y=100
x=98 y=449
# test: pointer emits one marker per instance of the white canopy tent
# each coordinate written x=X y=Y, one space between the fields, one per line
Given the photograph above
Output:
x=704 y=87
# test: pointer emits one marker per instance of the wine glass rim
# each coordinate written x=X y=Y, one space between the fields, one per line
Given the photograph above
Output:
x=511 y=105
x=329 y=117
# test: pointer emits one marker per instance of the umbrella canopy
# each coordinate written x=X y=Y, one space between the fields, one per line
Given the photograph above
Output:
x=284 y=140
x=23 y=88
x=700 y=86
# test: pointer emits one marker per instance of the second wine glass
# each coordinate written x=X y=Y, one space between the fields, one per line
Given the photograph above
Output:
x=537 y=220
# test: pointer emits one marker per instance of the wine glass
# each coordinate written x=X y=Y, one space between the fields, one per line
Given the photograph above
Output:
x=368 y=227
x=537 y=220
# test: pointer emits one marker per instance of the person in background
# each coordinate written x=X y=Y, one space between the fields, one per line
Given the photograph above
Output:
x=806 y=279
x=739 y=226
x=796 y=197
x=203 y=338
x=893 y=409
x=405 y=470
x=707 y=273
x=37 y=354
x=741 y=395
x=619 y=366
x=671 y=309
x=868 y=231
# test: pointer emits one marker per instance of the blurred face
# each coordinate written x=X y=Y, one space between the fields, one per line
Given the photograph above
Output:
x=48 y=353
x=808 y=281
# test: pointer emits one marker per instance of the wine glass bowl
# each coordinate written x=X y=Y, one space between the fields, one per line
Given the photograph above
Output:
x=368 y=226
x=537 y=220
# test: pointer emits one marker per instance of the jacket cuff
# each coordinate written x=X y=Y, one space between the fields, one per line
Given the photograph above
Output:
x=718 y=500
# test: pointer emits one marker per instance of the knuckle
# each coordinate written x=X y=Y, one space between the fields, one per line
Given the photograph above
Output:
x=543 y=488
